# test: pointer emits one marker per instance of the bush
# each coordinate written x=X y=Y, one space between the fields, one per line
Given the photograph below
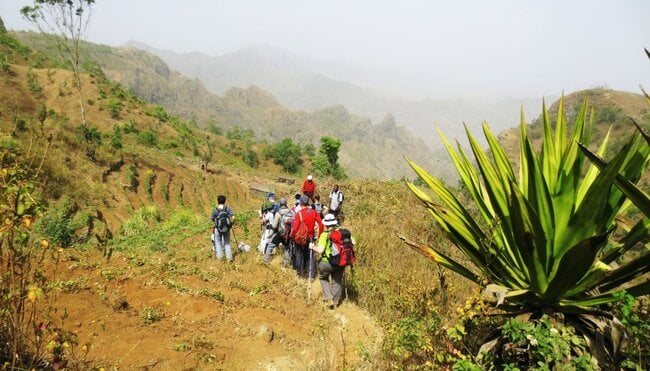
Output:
x=61 y=224
x=116 y=138
x=238 y=133
x=250 y=158
x=287 y=154
x=148 y=138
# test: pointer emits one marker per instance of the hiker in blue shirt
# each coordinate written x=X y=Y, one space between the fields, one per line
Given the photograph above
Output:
x=222 y=218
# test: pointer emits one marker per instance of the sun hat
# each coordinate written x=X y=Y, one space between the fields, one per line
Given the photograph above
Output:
x=304 y=199
x=309 y=177
x=283 y=201
x=270 y=195
x=330 y=220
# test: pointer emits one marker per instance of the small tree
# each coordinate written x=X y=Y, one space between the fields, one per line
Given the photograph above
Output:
x=207 y=154
x=329 y=146
x=64 y=23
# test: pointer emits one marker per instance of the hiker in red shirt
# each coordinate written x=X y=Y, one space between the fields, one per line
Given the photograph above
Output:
x=303 y=232
x=309 y=187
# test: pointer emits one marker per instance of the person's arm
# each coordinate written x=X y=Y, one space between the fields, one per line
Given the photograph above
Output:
x=322 y=243
x=319 y=222
x=276 y=221
x=294 y=226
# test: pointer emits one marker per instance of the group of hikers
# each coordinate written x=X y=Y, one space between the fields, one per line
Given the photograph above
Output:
x=308 y=231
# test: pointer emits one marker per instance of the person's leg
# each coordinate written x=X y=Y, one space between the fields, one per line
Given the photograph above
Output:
x=226 y=242
x=337 y=284
x=325 y=269
x=286 y=261
x=268 y=250
x=218 y=245
x=301 y=261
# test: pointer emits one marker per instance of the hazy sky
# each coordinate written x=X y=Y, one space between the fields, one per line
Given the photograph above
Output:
x=496 y=48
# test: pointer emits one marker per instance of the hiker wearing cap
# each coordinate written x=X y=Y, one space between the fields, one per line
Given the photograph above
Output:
x=306 y=229
x=309 y=187
x=266 y=215
x=331 y=276
x=336 y=201
x=279 y=233
x=222 y=217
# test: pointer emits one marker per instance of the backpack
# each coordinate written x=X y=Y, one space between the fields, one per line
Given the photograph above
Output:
x=304 y=232
x=223 y=223
x=286 y=221
x=342 y=252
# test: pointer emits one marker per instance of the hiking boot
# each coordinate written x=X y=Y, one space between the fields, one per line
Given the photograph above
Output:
x=330 y=304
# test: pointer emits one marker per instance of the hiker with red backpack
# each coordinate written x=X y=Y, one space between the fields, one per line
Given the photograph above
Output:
x=307 y=227
x=222 y=218
x=336 y=246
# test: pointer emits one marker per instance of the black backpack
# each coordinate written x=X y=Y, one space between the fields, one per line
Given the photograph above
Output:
x=222 y=223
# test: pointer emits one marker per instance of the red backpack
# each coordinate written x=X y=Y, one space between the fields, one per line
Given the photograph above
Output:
x=342 y=250
x=304 y=233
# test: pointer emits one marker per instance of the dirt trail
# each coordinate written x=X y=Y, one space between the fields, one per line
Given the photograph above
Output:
x=188 y=311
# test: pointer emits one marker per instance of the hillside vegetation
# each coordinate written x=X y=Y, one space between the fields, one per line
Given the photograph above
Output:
x=125 y=275
x=368 y=151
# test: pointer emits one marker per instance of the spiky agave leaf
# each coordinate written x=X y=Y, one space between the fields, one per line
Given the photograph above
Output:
x=546 y=231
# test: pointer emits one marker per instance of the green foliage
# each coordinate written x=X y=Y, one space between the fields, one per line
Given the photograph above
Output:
x=147 y=138
x=325 y=163
x=129 y=127
x=214 y=128
x=116 y=137
x=634 y=313
x=329 y=146
x=150 y=315
x=91 y=134
x=132 y=177
x=250 y=158
x=410 y=339
x=237 y=133
x=62 y=223
x=287 y=154
x=22 y=257
x=309 y=150
x=114 y=108
x=94 y=69
x=158 y=112
x=32 y=83
x=608 y=113
x=542 y=239
x=538 y=345
x=141 y=221
x=7 y=40
x=151 y=179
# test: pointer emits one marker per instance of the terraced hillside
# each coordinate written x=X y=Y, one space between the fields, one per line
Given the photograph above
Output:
x=159 y=299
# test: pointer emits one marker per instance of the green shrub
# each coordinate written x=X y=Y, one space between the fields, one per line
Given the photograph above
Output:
x=116 y=138
x=147 y=138
x=539 y=345
x=59 y=225
x=114 y=108
x=32 y=83
x=129 y=127
x=237 y=133
x=250 y=158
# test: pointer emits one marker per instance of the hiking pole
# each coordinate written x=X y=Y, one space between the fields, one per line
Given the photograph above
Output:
x=233 y=235
x=311 y=260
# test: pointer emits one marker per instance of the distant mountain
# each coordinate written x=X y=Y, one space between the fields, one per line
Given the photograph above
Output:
x=308 y=84
x=368 y=151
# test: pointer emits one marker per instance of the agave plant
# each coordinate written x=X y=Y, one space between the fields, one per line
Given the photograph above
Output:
x=541 y=241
